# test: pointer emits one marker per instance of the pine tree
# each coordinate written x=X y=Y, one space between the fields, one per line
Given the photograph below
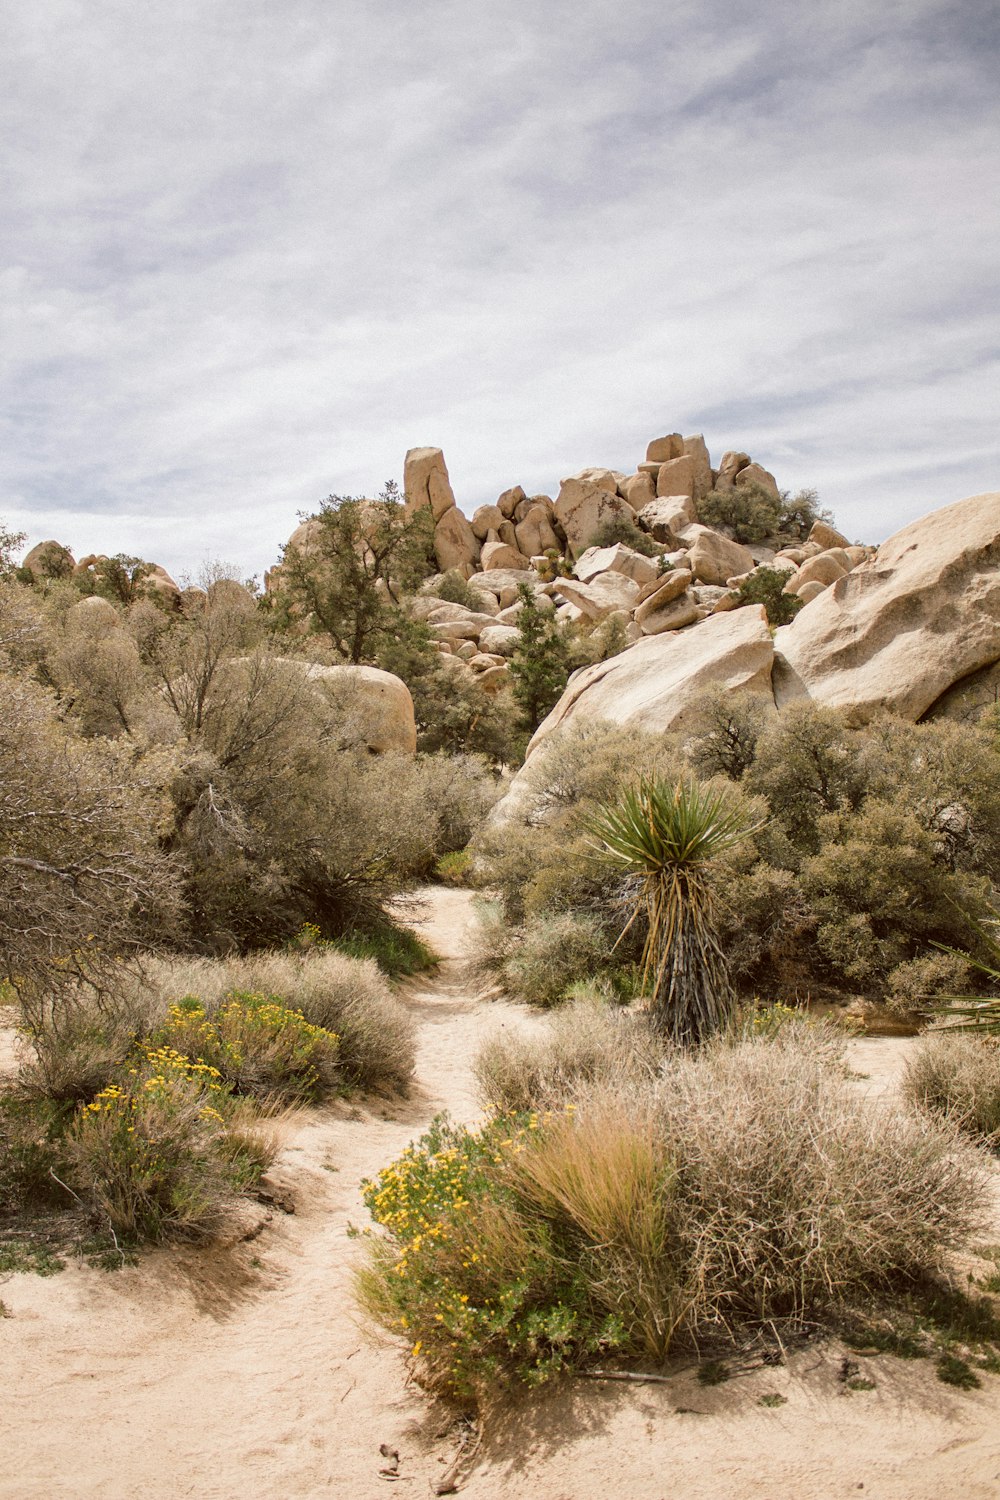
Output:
x=540 y=663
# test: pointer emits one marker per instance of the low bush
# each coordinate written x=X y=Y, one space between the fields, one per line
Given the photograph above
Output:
x=622 y=529
x=748 y=1183
x=150 y=1151
x=455 y=869
x=552 y=952
x=767 y=586
x=585 y=1041
x=750 y=513
x=919 y=983
x=256 y=1045
x=956 y=1075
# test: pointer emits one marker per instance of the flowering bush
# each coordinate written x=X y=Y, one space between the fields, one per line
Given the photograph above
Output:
x=256 y=1045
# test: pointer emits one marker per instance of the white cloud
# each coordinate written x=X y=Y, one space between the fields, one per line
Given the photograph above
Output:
x=252 y=254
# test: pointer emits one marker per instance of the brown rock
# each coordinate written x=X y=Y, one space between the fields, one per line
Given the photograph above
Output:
x=607 y=593
x=823 y=569
x=755 y=474
x=639 y=489
x=713 y=558
x=665 y=519
x=486 y=519
x=510 y=500
x=501 y=555
x=812 y=589
x=697 y=451
x=661 y=450
x=535 y=534
x=729 y=467
x=676 y=477
x=616 y=559
x=454 y=540
x=50 y=560
x=426 y=482
x=677 y=615
x=827 y=536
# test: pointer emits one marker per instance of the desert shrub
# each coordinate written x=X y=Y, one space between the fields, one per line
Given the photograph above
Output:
x=956 y=1075
x=552 y=952
x=333 y=991
x=455 y=869
x=148 y=1152
x=257 y=1046
x=808 y=762
x=29 y=1129
x=455 y=589
x=767 y=586
x=728 y=727
x=916 y=984
x=351 y=997
x=798 y=515
x=584 y=1041
x=750 y=1183
x=750 y=513
x=78 y=1050
x=623 y=529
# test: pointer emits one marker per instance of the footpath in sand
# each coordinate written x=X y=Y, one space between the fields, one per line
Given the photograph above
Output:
x=245 y=1374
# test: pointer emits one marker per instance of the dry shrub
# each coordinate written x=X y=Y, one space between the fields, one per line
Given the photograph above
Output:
x=553 y=952
x=585 y=1041
x=956 y=1075
x=914 y=986
x=748 y=1183
x=796 y=1192
x=258 y=1046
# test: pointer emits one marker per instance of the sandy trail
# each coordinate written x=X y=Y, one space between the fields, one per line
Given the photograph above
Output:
x=244 y=1374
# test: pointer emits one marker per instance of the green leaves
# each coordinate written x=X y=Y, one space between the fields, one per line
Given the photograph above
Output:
x=656 y=828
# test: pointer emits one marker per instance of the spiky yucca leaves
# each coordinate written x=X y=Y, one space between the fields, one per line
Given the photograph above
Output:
x=669 y=837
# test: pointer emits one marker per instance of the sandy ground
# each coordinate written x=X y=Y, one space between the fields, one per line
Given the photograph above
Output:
x=244 y=1373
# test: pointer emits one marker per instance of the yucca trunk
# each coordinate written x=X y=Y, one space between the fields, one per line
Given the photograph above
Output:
x=685 y=969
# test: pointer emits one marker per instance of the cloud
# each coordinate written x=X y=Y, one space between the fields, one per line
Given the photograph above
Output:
x=252 y=254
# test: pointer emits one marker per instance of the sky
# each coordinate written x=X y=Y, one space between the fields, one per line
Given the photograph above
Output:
x=251 y=252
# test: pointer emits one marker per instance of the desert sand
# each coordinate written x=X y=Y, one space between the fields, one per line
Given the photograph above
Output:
x=245 y=1372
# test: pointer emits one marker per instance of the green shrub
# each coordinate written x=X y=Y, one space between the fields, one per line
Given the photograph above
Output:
x=455 y=869
x=956 y=1075
x=623 y=529
x=552 y=952
x=455 y=589
x=767 y=586
x=149 y=1151
x=751 y=512
x=257 y=1045
x=749 y=1183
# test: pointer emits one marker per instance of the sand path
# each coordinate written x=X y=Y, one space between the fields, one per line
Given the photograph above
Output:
x=245 y=1374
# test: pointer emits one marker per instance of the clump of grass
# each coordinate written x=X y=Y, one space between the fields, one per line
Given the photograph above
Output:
x=455 y=869
x=29 y=1255
x=772 y=1398
x=956 y=1075
x=713 y=1372
x=584 y=1041
x=398 y=951
x=957 y=1372
x=747 y=1183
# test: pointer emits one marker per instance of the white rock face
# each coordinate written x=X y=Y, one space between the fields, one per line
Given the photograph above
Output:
x=426 y=482
x=655 y=683
x=903 y=628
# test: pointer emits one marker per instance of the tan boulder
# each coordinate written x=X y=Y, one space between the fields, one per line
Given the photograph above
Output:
x=501 y=555
x=656 y=683
x=901 y=629
x=665 y=519
x=811 y=590
x=676 y=477
x=713 y=558
x=650 y=468
x=49 y=560
x=606 y=594
x=827 y=536
x=535 y=533
x=729 y=466
x=858 y=555
x=510 y=500
x=426 y=482
x=499 y=640
x=494 y=678
x=374 y=707
x=582 y=508
x=794 y=555
x=616 y=559
x=94 y=615
x=662 y=590
x=638 y=489
x=676 y=615
x=466 y=650
x=485 y=519
x=605 y=479
x=823 y=569
x=697 y=450
x=661 y=450
x=454 y=540
x=755 y=474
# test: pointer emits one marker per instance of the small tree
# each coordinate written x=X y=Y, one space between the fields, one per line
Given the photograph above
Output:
x=352 y=573
x=539 y=666
x=669 y=837
x=766 y=586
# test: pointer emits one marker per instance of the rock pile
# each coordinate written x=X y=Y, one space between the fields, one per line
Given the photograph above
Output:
x=53 y=560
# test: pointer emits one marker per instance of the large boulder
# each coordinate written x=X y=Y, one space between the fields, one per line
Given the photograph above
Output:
x=426 y=482
x=49 y=560
x=661 y=450
x=903 y=628
x=697 y=450
x=713 y=558
x=535 y=535
x=583 y=507
x=656 y=683
x=373 y=709
x=676 y=477
x=638 y=489
x=756 y=474
x=605 y=595
x=667 y=517
x=455 y=541
x=617 y=559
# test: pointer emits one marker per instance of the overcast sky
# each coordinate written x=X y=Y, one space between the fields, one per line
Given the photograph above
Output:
x=252 y=252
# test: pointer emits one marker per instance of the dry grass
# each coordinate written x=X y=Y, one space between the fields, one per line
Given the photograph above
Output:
x=585 y=1041
x=956 y=1076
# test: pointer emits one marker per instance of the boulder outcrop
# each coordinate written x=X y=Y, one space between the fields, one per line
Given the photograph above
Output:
x=904 y=627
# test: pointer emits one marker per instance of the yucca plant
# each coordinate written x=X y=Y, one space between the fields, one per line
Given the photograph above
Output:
x=669 y=836
x=976 y=1012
